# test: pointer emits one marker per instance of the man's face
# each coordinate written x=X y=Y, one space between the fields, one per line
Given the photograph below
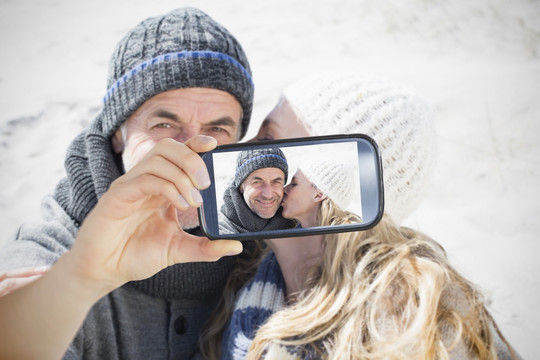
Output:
x=178 y=114
x=263 y=191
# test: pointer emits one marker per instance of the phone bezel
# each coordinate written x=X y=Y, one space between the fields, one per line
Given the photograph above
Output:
x=211 y=230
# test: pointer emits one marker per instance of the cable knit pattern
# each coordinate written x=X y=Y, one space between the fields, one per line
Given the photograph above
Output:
x=398 y=120
x=332 y=177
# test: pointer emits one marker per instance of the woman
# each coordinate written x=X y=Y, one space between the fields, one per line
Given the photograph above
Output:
x=315 y=184
x=385 y=293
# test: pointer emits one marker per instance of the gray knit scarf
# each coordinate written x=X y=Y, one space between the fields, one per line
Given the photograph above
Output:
x=91 y=167
x=236 y=216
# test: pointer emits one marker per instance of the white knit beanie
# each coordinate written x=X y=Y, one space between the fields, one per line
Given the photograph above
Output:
x=399 y=121
x=333 y=178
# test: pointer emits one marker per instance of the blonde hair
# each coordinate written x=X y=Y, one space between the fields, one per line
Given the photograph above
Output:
x=384 y=293
x=330 y=213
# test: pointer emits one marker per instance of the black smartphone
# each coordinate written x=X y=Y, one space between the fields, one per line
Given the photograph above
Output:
x=235 y=207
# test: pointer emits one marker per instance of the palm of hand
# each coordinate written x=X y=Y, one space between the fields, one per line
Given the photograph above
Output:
x=133 y=240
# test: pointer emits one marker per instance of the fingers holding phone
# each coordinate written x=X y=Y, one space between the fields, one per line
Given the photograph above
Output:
x=173 y=170
x=134 y=232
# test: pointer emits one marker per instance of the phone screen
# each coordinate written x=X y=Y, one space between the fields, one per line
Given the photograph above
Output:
x=346 y=168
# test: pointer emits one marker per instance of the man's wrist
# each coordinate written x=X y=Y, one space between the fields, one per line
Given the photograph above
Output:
x=86 y=288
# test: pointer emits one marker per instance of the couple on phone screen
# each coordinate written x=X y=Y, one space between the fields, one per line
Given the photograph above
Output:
x=258 y=200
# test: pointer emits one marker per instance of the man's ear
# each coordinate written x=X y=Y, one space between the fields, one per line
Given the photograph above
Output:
x=319 y=196
x=241 y=188
x=118 y=141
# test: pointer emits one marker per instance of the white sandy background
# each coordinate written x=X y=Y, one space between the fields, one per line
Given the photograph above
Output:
x=477 y=62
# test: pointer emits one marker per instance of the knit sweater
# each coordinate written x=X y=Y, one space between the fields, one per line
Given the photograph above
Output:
x=157 y=318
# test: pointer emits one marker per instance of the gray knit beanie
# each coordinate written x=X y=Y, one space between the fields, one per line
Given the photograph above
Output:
x=250 y=160
x=184 y=48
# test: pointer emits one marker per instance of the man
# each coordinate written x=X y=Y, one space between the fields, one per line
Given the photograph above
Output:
x=178 y=84
x=252 y=201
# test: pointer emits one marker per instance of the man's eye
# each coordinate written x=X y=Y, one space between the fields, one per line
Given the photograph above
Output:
x=163 y=126
x=217 y=130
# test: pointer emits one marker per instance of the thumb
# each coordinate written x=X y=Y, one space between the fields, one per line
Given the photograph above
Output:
x=219 y=248
x=191 y=248
x=201 y=143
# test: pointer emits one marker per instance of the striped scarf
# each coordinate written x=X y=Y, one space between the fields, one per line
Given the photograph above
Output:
x=256 y=302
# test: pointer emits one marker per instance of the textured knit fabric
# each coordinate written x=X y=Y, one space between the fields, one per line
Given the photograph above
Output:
x=398 y=120
x=182 y=49
x=256 y=302
x=250 y=160
x=236 y=217
x=332 y=177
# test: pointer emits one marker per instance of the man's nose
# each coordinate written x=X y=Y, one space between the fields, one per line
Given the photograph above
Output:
x=187 y=133
x=267 y=190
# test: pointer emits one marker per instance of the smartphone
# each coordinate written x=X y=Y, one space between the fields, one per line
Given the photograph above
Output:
x=227 y=203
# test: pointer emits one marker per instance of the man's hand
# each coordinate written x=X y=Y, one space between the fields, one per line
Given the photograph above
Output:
x=133 y=231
